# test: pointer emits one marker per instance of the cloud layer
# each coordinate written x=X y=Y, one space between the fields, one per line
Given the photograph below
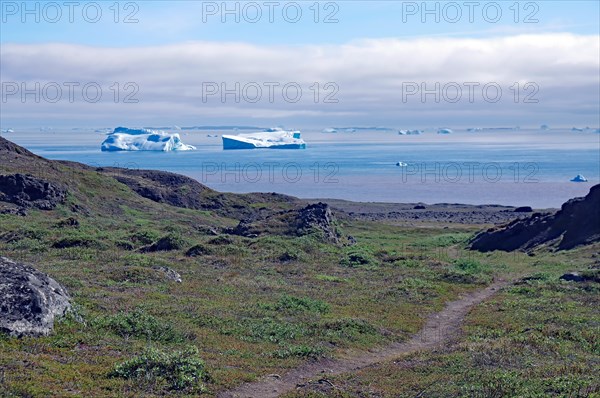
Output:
x=371 y=81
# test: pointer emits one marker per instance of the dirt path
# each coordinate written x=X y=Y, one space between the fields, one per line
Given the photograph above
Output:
x=440 y=327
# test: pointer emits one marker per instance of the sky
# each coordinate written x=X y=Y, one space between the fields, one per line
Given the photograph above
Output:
x=301 y=64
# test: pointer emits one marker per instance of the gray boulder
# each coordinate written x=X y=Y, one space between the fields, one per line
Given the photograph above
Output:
x=29 y=300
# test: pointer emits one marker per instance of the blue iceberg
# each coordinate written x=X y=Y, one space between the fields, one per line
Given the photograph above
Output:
x=579 y=178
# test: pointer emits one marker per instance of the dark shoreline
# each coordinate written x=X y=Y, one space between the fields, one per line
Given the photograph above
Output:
x=452 y=213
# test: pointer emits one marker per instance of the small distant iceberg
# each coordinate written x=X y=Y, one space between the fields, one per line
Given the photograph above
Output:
x=329 y=130
x=474 y=129
x=544 y=127
x=579 y=178
x=8 y=131
x=577 y=129
x=276 y=138
x=126 y=139
x=351 y=130
x=444 y=131
x=410 y=132
x=401 y=164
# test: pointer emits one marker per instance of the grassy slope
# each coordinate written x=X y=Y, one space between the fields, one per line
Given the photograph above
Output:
x=538 y=338
x=248 y=312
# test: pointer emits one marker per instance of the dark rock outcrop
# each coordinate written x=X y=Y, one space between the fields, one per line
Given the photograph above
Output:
x=319 y=217
x=185 y=192
x=576 y=223
x=29 y=300
x=161 y=186
x=298 y=222
x=27 y=191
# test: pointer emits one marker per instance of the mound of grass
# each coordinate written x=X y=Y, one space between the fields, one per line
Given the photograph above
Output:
x=468 y=271
x=139 y=324
x=180 y=370
x=76 y=241
x=330 y=278
x=346 y=329
x=358 y=257
x=295 y=305
x=166 y=243
x=411 y=289
x=198 y=250
x=133 y=274
x=144 y=237
x=265 y=329
x=444 y=240
x=301 y=351
x=221 y=240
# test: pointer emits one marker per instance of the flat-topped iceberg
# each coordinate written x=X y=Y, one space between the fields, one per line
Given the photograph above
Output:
x=271 y=138
x=126 y=139
x=410 y=132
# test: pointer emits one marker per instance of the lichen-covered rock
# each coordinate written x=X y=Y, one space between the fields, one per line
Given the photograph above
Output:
x=170 y=273
x=28 y=191
x=29 y=300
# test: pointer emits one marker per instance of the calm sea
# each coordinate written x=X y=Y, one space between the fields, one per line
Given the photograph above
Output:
x=522 y=167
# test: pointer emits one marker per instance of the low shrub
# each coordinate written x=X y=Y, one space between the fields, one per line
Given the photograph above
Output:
x=179 y=370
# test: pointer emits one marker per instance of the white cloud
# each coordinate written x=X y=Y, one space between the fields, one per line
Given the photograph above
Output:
x=370 y=75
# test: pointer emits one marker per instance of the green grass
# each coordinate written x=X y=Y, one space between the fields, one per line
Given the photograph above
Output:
x=139 y=324
x=539 y=338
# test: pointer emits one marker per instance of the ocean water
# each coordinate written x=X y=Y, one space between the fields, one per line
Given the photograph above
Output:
x=521 y=167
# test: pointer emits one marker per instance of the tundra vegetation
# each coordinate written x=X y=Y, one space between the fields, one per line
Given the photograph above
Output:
x=253 y=306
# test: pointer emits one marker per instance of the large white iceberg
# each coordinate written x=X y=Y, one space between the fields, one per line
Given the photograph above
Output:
x=126 y=139
x=271 y=138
